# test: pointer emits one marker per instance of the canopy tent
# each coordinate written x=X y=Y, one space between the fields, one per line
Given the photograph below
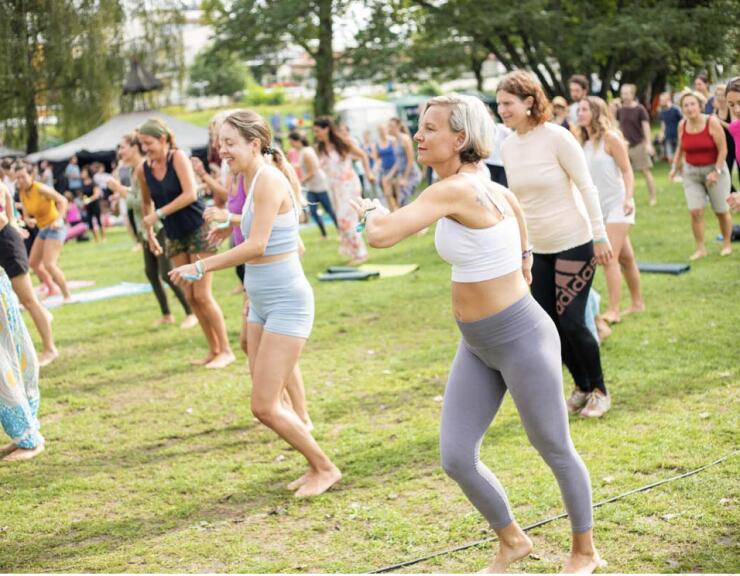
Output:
x=360 y=114
x=139 y=80
x=10 y=153
x=100 y=144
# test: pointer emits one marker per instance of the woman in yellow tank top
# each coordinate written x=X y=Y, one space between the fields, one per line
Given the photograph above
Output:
x=44 y=208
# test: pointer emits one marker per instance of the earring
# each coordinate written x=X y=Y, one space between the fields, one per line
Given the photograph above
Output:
x=529 y=111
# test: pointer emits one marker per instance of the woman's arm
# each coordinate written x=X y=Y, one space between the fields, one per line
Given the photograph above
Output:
x=386 y=229
x=523 y=234
x=359 y=154
x=311 y=161
x=718 y=135
x=617 y=149
x=571 y=158
x=56 y=197
x=97 y=194
x=219 y=190
x=266 y=206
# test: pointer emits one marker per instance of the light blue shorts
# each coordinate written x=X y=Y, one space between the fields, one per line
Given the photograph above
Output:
x=280 y=297
x=49 y=233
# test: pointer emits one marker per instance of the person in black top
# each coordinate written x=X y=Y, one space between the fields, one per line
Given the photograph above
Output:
x=91 y=195
x=167 y=180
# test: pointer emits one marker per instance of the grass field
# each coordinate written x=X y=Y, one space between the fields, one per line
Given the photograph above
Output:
x=153 y=466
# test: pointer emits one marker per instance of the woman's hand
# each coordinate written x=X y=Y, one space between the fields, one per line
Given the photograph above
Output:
x=628 y=206
x=154 y=246
x=183 y=274
x=712 y=178
x=218 y=235
x=30 y=222
x=602 y=252
x=214 y=214
x=57 y=224
x=200 y=170
x=361 y=205
x=401 y=181
x=672 y=173
x=527 y=269
x=150 y=219
x=371 y=177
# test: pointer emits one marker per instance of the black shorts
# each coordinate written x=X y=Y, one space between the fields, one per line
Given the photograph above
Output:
x=13 y=256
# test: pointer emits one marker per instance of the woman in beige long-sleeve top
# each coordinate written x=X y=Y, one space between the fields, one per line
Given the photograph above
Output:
x=546 y=169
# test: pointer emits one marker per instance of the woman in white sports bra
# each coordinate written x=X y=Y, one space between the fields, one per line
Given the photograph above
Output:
x=509 y=343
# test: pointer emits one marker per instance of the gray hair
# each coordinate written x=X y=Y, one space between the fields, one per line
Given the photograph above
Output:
x=469 y=116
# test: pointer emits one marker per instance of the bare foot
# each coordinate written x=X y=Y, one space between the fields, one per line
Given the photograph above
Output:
x=726 y=251
x=583 y=563
x=698 y=254
x=634 y=309
x=24 y=453
x=611 y=317
x=603 y=329
x=652 y=201
x=319 y=482
x=295 y=484
x=508 y=554
x=202 y=361
x=47 y=357
x=191 y=320
x=166 y=319
x=357 y=261
x=7 y=449
x=221 y=360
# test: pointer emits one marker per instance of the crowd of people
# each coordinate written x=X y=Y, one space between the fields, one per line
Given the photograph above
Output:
x=525 y=212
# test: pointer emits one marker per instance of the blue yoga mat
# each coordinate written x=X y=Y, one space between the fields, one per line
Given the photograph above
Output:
x=115 y=291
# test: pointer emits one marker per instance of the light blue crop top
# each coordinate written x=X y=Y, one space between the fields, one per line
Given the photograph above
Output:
x=284 y=234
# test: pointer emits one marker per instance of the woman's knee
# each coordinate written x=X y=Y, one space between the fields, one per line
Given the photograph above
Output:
x=457 y=463
x=265 y=412
x=697 y=214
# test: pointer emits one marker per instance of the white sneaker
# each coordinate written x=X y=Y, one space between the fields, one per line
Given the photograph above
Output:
x=598 y=405
x=577 y=400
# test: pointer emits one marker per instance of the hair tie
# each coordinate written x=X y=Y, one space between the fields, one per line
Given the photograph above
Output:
x=268 y=150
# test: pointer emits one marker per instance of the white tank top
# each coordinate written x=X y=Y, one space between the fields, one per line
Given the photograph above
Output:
x=319 y=182
x=480 y=254
x=606 y=175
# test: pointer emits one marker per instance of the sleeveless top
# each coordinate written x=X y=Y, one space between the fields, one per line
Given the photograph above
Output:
x=185 y=221
x=235 y=205
x=38 y=206
x=401 y=159
x=284 y=234
x=605 y=174
x=480 y=254
x=699 y=148
x=387 y=156
x=319 y=182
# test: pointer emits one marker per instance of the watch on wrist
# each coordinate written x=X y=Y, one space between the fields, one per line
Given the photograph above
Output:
x=719 y=170
x=161 y=215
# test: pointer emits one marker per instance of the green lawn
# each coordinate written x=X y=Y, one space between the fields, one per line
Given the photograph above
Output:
x=152 y=466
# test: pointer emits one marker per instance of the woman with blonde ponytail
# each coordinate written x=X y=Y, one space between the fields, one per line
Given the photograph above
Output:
x=281 y=305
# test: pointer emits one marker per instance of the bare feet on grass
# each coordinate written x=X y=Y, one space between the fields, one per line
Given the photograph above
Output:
x=7 y=449
x=508 y=553
x=221 y=360
x=165 y=320
x=24 y=453
x=634 y=309
x=583 y=563
x=295 y=484
x=698 y=254
x=611 y=317
x=202 y=361
x=318 y=482
x=47 y=357
x=191 y=321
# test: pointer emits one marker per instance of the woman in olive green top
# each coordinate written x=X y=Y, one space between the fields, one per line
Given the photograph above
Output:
x=155 y=267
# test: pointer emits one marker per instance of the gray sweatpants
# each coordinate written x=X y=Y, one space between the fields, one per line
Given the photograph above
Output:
x=517 y=350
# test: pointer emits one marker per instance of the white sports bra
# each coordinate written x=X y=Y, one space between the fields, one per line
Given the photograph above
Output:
x=480 y=254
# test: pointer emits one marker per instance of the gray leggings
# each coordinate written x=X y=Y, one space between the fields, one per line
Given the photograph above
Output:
x=517 y=350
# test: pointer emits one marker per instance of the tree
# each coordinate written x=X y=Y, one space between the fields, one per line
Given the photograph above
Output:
x=219 y=73
x=260 y=29
x=57 y=57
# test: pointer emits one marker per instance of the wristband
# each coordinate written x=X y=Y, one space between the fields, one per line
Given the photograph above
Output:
x=601 y=240
x=718 y=170
x=200 y=272
x=361 y=225
x=527 y=253
x=161 y=215
x=221 y=225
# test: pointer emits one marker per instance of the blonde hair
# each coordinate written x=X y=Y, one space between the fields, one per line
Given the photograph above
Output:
x=468 y=115
x=692 y=93
x=251 y=126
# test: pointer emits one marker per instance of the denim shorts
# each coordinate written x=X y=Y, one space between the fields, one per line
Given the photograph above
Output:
x=280 y=297
x=49 y=233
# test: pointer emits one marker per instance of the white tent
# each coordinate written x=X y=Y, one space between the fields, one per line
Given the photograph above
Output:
x=360 y=114
x=103 y=140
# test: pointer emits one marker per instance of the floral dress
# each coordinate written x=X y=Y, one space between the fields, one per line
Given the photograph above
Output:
x=345 y=185
x=19 y=373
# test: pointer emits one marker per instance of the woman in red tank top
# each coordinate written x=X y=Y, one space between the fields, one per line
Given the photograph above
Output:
x=702 y=149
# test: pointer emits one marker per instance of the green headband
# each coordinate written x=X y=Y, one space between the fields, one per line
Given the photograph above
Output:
x=153 y=128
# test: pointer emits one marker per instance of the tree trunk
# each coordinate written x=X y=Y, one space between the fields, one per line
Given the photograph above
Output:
x=32 y=125
x=477 y=67
x=323 y=103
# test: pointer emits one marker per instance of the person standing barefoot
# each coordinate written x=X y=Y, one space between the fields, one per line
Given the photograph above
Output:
x=508 y=342
x=281 y=305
